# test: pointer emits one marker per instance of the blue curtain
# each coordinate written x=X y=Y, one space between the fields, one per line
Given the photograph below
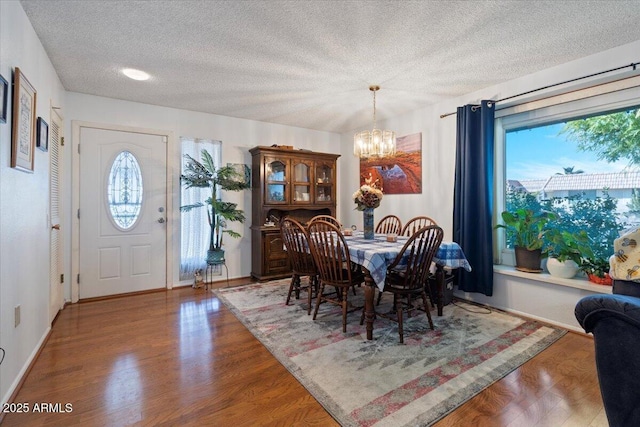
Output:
x=473 y=195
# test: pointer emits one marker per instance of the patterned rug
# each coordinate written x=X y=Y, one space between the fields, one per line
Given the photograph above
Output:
x=383 y=382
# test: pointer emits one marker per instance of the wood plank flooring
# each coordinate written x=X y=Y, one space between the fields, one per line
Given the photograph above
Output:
x=181 y=358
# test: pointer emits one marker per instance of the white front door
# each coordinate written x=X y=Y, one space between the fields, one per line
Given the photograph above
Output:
x=122 y=212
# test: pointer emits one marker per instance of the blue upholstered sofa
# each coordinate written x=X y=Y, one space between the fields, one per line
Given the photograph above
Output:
x=614 y=321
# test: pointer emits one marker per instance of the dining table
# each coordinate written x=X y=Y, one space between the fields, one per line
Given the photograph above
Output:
x=375 y=255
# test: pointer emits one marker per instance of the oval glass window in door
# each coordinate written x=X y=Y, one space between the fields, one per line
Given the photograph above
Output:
x=124 y=190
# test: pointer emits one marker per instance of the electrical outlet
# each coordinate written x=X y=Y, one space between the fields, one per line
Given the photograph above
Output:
x=16 y=315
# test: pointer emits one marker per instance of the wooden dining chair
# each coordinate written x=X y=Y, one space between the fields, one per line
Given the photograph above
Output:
x=406 y=281
x=327 y=218
x=389 y=224
x=416 y=223
x=296 y=242
x=331 y=255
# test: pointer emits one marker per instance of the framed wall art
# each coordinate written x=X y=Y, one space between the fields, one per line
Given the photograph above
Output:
x=4 y=95
x=42 y=134
x=398 y=174
x=23 y=135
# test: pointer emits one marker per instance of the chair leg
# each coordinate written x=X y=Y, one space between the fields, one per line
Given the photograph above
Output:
x=321 y=290
x=344 y=311
x=313 y=287
x=400 y=326
x=297 y=287
x=424 y=301
x=291 y=286
x=431 y=298
x=379 y=298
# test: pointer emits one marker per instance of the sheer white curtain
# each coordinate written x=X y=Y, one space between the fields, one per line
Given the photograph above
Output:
x=194 y=225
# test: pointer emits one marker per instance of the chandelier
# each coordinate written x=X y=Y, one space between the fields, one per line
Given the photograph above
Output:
x=374 y=143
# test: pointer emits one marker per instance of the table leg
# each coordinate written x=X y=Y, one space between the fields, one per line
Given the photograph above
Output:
x=369 y=294
x=440 y=287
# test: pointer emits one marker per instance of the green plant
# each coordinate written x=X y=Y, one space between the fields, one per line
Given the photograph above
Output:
x=526 y=228
x=565 y=245
x=598 y=217
x=206 y=175
x=598 y=267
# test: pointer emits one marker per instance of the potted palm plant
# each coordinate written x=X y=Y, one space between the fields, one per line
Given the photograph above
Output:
x=566 y=250
x=205 y=174
x=525 y=230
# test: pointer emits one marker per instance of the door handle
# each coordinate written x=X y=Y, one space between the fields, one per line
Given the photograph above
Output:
x=55 y=227
x=160 y=220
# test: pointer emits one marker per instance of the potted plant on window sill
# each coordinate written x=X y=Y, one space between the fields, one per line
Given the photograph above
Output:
x=566 y=251
x=205 y=174
x=527 y=229
x=597 y=270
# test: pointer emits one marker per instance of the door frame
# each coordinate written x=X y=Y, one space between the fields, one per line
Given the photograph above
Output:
x=76 y=127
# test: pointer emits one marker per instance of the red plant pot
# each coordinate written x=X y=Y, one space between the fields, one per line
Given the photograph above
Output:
x=606 y=280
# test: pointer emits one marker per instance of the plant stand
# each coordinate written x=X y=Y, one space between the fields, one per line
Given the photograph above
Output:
x=208 y=272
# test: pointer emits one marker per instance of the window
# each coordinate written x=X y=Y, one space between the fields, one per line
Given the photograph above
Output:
x=124 y=190
x=570 y=158
x=194 y=230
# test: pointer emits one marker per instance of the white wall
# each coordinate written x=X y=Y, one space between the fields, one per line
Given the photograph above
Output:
x=438 y=167
x=24 y=205
x=237 y=136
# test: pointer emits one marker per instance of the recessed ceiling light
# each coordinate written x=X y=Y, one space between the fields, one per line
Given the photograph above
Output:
x=135 y=74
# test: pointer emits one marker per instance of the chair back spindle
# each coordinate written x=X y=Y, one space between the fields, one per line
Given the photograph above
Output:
x=415 y=224
x=389 y=224
x=327 y=218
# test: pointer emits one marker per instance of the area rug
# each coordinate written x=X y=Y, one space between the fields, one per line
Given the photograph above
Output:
x=382 y=382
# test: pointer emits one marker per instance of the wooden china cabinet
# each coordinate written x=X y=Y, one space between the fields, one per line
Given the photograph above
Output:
x=298 y=183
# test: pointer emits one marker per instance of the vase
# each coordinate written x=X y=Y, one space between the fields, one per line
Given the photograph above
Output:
x=367 y=220
x=563 y=269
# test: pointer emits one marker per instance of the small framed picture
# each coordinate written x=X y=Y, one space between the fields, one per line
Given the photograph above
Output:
x=4 y=96
x=42 y=135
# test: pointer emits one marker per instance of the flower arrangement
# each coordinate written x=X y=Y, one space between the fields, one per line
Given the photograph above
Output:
x=368 y=195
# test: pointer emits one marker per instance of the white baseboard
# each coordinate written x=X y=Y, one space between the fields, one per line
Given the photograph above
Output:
x=25 y=367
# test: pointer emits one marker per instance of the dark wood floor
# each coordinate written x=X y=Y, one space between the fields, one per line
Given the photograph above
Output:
x=181 y=358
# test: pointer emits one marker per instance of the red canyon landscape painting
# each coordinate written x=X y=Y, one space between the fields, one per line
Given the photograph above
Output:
x=399 y=174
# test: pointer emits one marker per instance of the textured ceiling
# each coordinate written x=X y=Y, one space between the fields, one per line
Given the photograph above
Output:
x=310 y=63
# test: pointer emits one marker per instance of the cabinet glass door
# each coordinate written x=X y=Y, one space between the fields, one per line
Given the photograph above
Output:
x=324 y=183
x=302 y=181
x=276 y=182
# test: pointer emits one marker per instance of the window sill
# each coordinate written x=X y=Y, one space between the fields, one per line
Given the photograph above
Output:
x=578 y=283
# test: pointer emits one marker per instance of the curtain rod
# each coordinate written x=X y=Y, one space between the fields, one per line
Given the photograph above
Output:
x=632 y=65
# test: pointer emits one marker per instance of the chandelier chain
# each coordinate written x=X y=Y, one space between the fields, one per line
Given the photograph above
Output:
x=374 y=109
